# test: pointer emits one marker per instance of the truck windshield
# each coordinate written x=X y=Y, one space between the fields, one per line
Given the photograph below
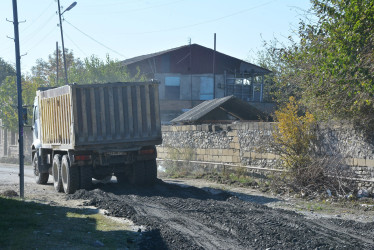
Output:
x=36 y=114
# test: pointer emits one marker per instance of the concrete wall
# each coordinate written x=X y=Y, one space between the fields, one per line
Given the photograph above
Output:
x=224 y=146
x=9 y=143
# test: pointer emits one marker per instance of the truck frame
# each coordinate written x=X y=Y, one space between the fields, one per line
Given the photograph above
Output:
x=96 y=131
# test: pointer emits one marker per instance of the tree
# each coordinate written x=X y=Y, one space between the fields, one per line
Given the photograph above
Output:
x=90 y=70
x=331 y=68
x=6 y=70
x=94 y=70
x=8 y=100
x=46 y=70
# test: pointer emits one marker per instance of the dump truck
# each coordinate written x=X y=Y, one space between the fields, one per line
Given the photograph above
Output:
x=96 y=131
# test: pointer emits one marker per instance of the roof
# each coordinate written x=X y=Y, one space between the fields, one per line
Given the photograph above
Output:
x=219 y=57
x=218 y=109
x=148 y=56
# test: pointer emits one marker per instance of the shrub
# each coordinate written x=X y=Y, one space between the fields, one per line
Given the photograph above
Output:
x=307 y=170
x=294 y=135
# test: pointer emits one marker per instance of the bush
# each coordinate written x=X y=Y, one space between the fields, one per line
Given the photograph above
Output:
x=307 y=171
x=294 y=135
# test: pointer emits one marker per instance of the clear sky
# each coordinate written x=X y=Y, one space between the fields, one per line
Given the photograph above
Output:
x=129 y=28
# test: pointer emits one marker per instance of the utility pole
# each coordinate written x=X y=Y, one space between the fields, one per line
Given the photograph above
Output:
x=214 y=68
x=62 y=40
x=19 y=92
x=57 y=54
x=62 y=36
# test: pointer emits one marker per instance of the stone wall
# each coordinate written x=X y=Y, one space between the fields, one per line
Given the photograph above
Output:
x=227 y=146
x=9 y=143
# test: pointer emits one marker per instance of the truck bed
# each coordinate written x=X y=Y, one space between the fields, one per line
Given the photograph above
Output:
x=100 y=116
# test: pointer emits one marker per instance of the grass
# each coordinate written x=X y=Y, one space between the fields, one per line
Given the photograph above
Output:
x=29 y=225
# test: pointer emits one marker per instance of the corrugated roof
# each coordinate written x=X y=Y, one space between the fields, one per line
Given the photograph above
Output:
x=152 y=55
x=229 y=104
x=144 y=57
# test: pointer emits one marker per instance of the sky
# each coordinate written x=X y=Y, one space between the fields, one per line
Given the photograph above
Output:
x=128 y=28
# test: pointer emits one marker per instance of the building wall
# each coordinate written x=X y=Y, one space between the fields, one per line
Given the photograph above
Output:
x=190 y=85
x=218 y=147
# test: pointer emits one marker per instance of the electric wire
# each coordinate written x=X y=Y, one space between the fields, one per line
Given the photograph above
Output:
x=204 y=22
x=84 y=53
x=36 y=19
x=150 y=7
x=32 y=35
x=39 y=42
x=93 y=39
x=107 y=3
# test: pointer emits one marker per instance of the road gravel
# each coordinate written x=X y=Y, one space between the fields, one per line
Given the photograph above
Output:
x=178 y=217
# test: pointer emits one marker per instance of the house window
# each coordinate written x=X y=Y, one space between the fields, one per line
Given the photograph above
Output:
x=172 y=87
x=206 y=88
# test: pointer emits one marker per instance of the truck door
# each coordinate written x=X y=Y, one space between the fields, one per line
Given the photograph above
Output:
x=35 y=124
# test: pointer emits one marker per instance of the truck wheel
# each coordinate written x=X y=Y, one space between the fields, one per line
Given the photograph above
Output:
x=40 y=178
x=56 y=173
x=85 y=177
x=70 y=176
x=150 y=171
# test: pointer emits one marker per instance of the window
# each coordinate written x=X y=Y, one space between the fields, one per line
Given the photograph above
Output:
x=172 y=87
x=206 y=88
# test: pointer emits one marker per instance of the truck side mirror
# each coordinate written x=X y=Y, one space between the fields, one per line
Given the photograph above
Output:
x=24 y=116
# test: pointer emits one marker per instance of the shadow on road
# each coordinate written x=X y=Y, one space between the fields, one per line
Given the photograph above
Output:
x=30 y=225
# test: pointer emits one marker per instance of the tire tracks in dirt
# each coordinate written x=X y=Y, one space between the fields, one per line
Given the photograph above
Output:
x=190 y=218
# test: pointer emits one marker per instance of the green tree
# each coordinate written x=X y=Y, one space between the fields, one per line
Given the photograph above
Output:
x=6 y=70
x=331 y=67
x=95 y=70
x=8 y=100
x=46 y=71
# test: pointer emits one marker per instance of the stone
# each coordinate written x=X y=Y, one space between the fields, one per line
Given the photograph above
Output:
x=362 y=193
x=98 y=244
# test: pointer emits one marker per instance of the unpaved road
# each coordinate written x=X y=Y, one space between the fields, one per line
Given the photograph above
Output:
x=187 y=217
x=191 y=218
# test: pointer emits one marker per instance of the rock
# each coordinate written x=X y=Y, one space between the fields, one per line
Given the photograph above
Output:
x=329 y=192
x=362 y=193
x=98 y=244
x=9 y=193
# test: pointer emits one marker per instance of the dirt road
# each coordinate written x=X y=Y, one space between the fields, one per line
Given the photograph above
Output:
x=191 y=218
x=185 y=217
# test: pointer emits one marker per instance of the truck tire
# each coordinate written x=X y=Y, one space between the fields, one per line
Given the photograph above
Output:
x=150 y=172
x=56 y=173
x=40 y=178
x=70 y=176
x=85 y=177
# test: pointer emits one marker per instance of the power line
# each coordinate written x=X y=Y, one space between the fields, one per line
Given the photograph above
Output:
x=150 y=7
x=84 y=53
x=40 y=40
x=36 y=19
x=204 y=22
x=93 y=39
x=33 y=35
